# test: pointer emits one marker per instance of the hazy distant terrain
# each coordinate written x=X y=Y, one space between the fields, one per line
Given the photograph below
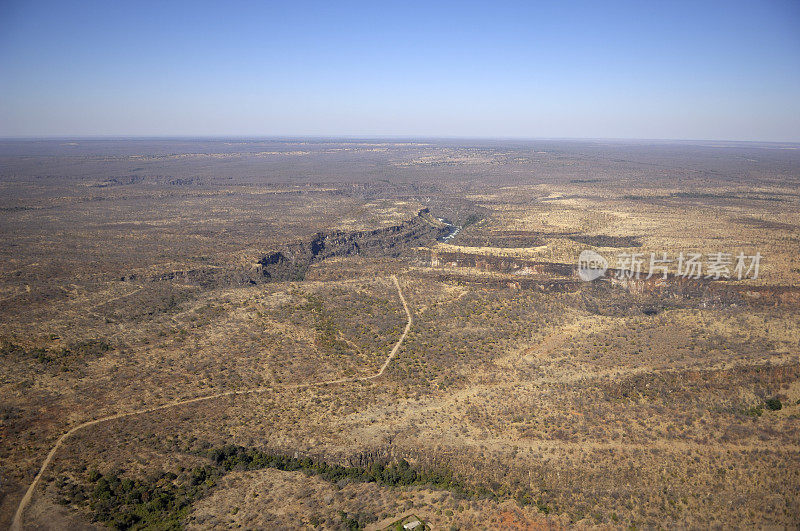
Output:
x=139 y=273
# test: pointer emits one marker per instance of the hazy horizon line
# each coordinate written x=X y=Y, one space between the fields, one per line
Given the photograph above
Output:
x=34 y=138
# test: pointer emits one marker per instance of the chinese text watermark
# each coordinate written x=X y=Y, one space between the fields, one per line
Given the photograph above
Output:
x=712 y=266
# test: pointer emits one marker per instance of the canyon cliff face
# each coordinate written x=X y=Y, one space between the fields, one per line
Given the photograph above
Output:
x=292 y=262
x=553 y=276
x=499 y=264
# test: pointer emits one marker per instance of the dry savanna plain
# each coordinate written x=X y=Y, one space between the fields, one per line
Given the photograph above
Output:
x=298 y=334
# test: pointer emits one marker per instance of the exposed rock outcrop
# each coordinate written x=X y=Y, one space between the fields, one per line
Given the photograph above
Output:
x=522 y=273
x=292 y=262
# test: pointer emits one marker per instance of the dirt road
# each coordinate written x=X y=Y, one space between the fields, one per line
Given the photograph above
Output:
x=16 y=524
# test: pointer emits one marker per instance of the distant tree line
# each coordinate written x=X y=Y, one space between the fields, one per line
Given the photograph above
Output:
x=163 y=501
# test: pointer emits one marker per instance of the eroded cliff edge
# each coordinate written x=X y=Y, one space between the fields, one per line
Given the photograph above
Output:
x=292 y=262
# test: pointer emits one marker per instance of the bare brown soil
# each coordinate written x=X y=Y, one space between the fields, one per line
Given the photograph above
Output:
x=130 y=282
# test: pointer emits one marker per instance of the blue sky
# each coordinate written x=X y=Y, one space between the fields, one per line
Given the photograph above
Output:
x=673 y=70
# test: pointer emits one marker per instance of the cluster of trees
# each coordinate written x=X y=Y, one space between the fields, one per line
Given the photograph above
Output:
x=18 y=352
x=156 y=502
x=394 y=473
x=163 y=500
x=80 y=350
x=773 y=404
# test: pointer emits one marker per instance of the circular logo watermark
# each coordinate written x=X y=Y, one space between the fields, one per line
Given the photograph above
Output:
x=591 y=265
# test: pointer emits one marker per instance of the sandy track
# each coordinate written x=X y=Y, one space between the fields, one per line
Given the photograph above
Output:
x=16 y=524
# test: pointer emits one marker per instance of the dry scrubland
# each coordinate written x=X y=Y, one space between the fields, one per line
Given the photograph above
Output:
x=130 y=278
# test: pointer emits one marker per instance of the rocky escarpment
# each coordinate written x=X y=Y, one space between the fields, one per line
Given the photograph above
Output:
x=292 y=262
x=495 y=263
x=524 y=273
